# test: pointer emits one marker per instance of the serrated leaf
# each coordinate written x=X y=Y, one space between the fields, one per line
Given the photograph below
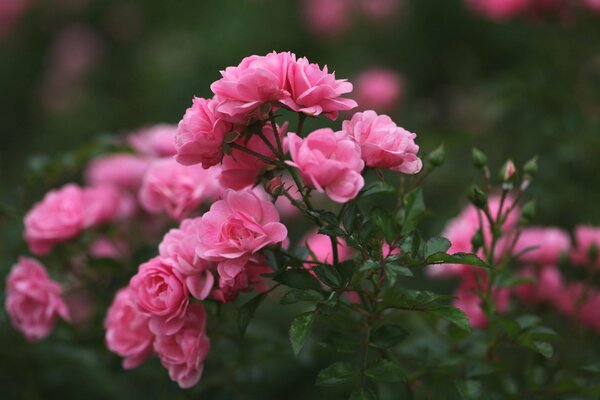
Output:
x=457 y=258
x=246 y=312
x=297 y=278
x=300 y=329
x=298 y=295
x=331 y=230
x=386 y=371
x=388 y=336
x=345 y=269
x=377 y=187
x=368 y=265
x=454 y=315
x=414 y=209
x=328 y=275
x=436 y=245
x=544 y=348
x=337 y=374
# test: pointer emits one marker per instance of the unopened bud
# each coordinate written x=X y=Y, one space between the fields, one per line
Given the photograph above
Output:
x=479 y=198
x=508 y=171
x=437 y=156
x=275 y=186
x=528 y=212
x=531 y=167
x=477 y=240
x=231 y=137
x=479 y=158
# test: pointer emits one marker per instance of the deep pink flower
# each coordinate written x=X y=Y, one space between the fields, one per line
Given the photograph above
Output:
x=315 y=91
x=178 y=248
x=177 y=189
x=124 y=171
x=329 y=162
x=238 y=225
x=33 y=300
x=200 y=134
x=160 y=292
x=154 y=141
x=378 y=89
x=242 y=169
x=127 y=331
x=549 y=244
x=499 y=9
x=240 y=275
x=255 y=81
x=60 y=216
x=586 y=238
x=183 y=352
x=383 y=144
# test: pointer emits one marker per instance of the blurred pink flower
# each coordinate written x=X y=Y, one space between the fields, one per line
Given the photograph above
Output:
x=154 y=141
x=550 y=243
x=329 y=18
x=378 y=89
x=122 y=170
x=587 y=242
x=499 y=9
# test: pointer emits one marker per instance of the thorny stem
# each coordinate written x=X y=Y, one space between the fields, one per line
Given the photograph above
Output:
x=254 y=153
x=276 y=134
x=268 y=142
x=301 y=118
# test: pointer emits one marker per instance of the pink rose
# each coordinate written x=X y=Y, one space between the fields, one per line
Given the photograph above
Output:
x=178 y=249
x=586 y=238
x=238 y=225
x=60 y=216
x=314 y=91
x=327 y=17
x=160 y=292
x=115 y=248
x=183 y=353
x=177 y=189
x=125 y=171
x=33 y=300
x=127 y=331
x=548 y=287
x=255 y=81
x=320 y=250
x=242 y=169
x=549 y=244
x=378 y=89
x=240 y=275
x=102 y=204
x=469 y=302
x=200 y=134
x=329 y=162
x=383 y=144
x=154 y=141
x=498 y=9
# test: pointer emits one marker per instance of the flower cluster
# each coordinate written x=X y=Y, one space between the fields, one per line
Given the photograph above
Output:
x=507 y=9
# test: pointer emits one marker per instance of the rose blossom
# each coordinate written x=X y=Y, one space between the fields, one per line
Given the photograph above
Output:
x=101 y=204
x=549 y=244
x=239 y=275
x=127 y=331
x=183 y=353
x=586 y=238
x=60 y=216
x=383 y=144
x=154 y=141
x=329 y=162
x=242 y=169
x=124 y=171
x=498 y=9
x=33 y=300
x=378 y=89
x=469 y=302
x=200 y=134
x=238 y=225
x=255 y=81
x=177 y=189
x=548 y=287
x=178 y=249
x=314 y=91
x=160 y=292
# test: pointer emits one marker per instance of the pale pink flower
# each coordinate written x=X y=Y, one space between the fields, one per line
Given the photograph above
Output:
x=587 y=238
x=160 y=292
x=177 y=189
x=60 y=216
x=379 y=89
x=315 y=91
x=240 y=275
x=320 y=248
x=242 y=169
x=154 y=141
x=200 y=134
x=329 y=162
x=238 y=225
x=178 y=249
x=328 y=17
x=257 y=80
x=122 y=170
x=33 y=300
x=383 y=144
x=499 y=9
x=183 y=352
x=593 y=5
x=549 y=244
x=127 y=332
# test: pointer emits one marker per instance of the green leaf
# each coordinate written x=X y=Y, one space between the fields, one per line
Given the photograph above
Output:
x=386 y=224
x=388 y=336
x=436 y=245
x=337 y=374
x=386 y=371
x=392 y=270
x=414 y=209
x=331 y=230
x=297 y=295
x=377 y=187
x=350 y=218
x=323 y=215
x=507 y=280
x=300 y=329
x=362 y=394
x=454 y=315
x=369 y=265
x=457 y=258
x=345 y=270
x=544 y=348
x=328 y=275
x=246 y=312
x=297 y=278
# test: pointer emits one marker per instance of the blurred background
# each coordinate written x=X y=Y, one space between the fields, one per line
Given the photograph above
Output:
x=515 y=81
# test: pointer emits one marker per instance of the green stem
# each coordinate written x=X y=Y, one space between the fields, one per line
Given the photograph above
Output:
x=254 y=153
x=300 y=126
x=276 y=133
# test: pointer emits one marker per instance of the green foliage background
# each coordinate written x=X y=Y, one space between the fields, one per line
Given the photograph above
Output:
x=514 y=89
